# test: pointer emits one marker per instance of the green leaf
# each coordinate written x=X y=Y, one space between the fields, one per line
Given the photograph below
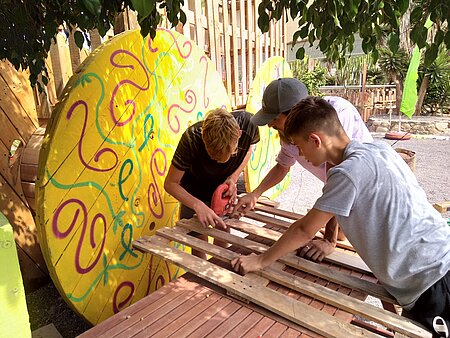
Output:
x=430 y=54
x=79 y=39
x=439 y=37
x=402 y=6
x=447 y=39
x=300 y=54
x=419 y=35
x=144 y=7
x=304 y=31
x=393 y=42
x=263 y=22
x=416 y=15
x=93 y=6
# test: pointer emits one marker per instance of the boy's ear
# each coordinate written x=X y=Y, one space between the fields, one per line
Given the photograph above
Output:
x=315 y=138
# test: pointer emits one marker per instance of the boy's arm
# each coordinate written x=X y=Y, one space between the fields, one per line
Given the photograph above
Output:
x=205 y=215
x=233 y=178
x=298 y=234
x=273 y=177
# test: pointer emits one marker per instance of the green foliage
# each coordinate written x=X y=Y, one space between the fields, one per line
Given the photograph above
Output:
x=334 y=24
x=28 y=27
x=394 y=64
x=314 y=79
x=437 y=97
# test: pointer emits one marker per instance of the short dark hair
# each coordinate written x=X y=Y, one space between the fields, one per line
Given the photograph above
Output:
x=312 y=114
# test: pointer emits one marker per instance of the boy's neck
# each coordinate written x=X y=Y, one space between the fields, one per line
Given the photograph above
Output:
x=336 y=146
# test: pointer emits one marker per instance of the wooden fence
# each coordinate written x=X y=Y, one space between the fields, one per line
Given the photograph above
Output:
x=371 y=100
x=226 y=30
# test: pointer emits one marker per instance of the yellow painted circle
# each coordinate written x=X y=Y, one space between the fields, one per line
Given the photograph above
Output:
x=105 y=155
x=265 y=152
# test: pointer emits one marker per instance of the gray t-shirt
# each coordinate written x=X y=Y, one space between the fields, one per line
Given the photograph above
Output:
x=386 y=217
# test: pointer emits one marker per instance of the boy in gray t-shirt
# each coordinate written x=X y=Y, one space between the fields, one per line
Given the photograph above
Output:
x=381 y=208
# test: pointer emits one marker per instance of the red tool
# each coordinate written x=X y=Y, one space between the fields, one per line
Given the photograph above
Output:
x=220 y=203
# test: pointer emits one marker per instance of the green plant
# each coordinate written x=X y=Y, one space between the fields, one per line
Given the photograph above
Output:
x=393 y=64
x=28 y=27
x=313 y=79
x=437 y=97
x=335 y=23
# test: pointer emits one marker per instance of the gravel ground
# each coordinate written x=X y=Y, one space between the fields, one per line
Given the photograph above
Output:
x=432 y=172
x=46 y=306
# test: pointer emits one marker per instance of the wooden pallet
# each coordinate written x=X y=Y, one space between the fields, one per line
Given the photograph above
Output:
x=442 y=207
x=318 y=281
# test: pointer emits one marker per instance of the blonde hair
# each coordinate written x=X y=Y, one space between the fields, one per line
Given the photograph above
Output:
x=220 y=133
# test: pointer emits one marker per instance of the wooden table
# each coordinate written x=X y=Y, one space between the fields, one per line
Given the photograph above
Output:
x=292 y=297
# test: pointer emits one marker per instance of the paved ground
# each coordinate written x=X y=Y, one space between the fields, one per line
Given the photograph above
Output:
x=432 y=170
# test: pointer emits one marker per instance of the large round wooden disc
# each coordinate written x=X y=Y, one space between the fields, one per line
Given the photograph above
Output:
x=105 y=155
x=263 y=156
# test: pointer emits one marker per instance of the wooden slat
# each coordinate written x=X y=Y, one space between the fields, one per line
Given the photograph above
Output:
x=299 y=263
x=442 y=207
x=227 y=45
x=317 y=291
x=250 y=41
x=257 y=36
x=234 y=43
x=199 y=30
x=286 y=306
x=211 y=36
x=268 y=202
x=18 y=83
x=243 y=50
x=345 y=244
x=336 y=257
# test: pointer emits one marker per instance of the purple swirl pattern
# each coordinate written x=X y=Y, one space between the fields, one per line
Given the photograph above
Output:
x=191 y=99
x=126 y=82
x=119 y=305
x=186 y=43
x=80 y=143
x=154 y=195
x=63 y=234
x=205 y=99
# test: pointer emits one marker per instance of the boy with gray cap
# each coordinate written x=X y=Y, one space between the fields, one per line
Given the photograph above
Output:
x=278 y=99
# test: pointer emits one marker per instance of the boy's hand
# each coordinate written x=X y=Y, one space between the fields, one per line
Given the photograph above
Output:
x=232 y=190
x=245 y=203
x=316 y=250
x=246 y=264
x=208 y=217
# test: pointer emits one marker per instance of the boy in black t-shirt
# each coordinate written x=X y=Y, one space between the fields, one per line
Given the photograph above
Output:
x=210 y=152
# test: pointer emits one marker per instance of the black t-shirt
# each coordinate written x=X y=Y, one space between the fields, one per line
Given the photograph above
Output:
x=202 y=175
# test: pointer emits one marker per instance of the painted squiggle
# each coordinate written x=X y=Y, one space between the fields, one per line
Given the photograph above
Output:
x=154 y=195
x=123 y=82
x=61 y=235
x=205 y=99
x=186 y=43
x=191 y=99
x=83 y=132
x=117 y=306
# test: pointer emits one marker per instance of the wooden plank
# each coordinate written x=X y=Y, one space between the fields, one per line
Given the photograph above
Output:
x=235 y=62
x=317 y=291
x=250 y=39
x=257 y=37
x=22 y=221
x=336 y=257
x=217 y=37
x=319 y=270
x=442 y=207
x=243 y=50
x=19 y=84
x=281 y=304
x=268 y=202
x=352 y=305
x=15 y=112
x=9 y=171
x=212 y=38
x=227 y=45
x=199 y=30
x=277 y=212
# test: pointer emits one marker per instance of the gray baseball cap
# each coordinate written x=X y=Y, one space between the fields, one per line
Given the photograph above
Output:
x=279 y=96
